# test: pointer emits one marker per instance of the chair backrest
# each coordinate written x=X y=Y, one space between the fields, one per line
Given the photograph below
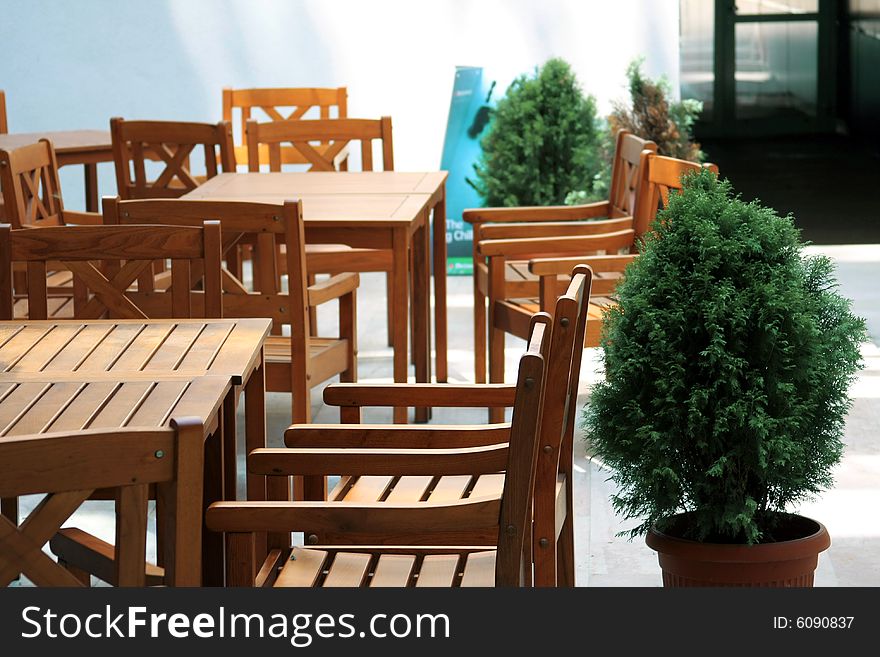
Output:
x=171 y=142
x=29 y=182
x=4 y=126
x=268 y=225
x=70 y=466
x=127 y=254
x=625 y=172
x=320 y=142
x=282 y=104
x=658 y=175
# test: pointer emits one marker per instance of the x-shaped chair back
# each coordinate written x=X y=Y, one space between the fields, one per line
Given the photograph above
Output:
x=29 y=182
x=172 y=143
x=127 y=254
x=69 y=467
x=625 y=172
x=306 y=136
x=282 y=104
x=266 y=225
x=659 y=175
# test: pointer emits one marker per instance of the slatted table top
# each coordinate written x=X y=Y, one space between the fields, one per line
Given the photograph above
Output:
x=126 y=349
x=333 y=199
x=36 y=407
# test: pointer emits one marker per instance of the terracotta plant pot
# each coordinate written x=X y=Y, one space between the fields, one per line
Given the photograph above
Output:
x=785 y=563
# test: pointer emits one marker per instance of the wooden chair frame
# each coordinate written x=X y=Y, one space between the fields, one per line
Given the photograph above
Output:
x=69 y=467
x=296 y=363
x=548 y=223
x=301 y=101
x=171 y=142
x=506 y=516
x=106 y=290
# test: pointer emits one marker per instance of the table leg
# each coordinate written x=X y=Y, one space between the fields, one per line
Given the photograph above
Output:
x=90 y=172
x=440 y=287
x=212 y=542
x=400 y=245
x=421 y=283
x=230 y=440
x=255 y=436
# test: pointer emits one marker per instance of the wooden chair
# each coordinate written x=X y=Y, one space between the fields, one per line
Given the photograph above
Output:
x=171 y=142
x=658 y=176
x=114 y=290
x=553 y=544
x=294 y=363
x=295 y=103
x=515 y=281
x=69 y=467
x=396 y=535
x=31 y=191
x=306 y=138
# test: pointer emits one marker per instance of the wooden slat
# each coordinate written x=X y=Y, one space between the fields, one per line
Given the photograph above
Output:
x=33 y=359
x=393 y=570
x=438 y=570
x=175 y=348
x=114 y=347
x=368 y=489
x=38 y=416
x=348 y=570
x=22 y=397
x=205 y=349
x=119 y=409
x=78 y=349
x=302 y=568
x=479 y=569
x=157 y=407
x=488 y=486
x=140 y=350
x=88 y=403
x=450 y=488
x=409 y=489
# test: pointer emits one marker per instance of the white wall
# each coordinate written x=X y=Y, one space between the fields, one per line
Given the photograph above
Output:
x=74 y=64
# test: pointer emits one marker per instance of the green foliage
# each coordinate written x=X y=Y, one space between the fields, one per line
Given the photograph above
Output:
x=541 y=142
x=728 y=361
x=651 y=115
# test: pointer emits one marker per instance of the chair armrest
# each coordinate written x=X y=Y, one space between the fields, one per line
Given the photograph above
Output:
x=372 y=518
x=563 y=266
x=356 y=461
x=333 y=288
x=395 y=435
x=537 y=213
x=554 y=228
x=474 y=395
x=583 y=244
x=72 y=217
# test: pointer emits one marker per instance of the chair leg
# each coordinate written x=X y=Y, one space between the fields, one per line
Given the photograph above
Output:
x=565 y=554
x=313 y=311
x=496 y=367
x=479 y=333
x=389 y=293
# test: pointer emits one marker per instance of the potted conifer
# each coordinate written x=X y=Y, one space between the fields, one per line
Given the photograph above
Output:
x=728 y=361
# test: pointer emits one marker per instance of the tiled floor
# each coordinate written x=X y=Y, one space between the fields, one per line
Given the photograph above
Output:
x=603 y=559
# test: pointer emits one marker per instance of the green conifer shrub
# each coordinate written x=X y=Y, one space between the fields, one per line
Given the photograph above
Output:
x=728 y=361
x=542 y=141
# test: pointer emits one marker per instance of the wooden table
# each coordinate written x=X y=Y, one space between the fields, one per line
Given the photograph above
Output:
x=379 y=210
x=86 y=147
x=147 y=371
x=33 y=405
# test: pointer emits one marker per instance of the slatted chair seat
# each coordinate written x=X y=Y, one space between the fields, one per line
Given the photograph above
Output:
x=514 y=315
x=335 y=567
